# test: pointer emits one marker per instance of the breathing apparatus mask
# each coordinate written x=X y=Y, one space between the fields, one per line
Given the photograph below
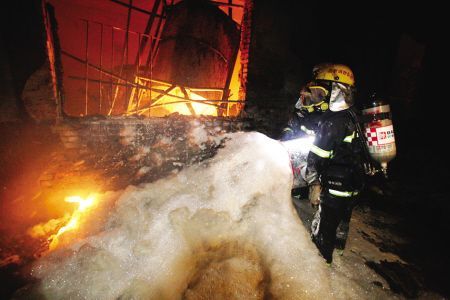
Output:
x=313 y=98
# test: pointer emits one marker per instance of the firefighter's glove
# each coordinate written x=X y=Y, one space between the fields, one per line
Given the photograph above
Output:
x=314 y=194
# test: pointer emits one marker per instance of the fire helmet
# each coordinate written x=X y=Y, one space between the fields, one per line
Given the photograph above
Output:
x=341 y=84
x=334 y=72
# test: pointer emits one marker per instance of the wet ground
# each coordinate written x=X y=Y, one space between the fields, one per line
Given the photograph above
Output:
x=397 y=237
x=396 y=248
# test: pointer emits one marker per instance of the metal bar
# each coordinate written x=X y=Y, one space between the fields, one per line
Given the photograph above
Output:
x=226 y=4
x=188 y=104
x=155 y=41
x=130 y=6
x=154 y=49
x=158 y=34
x=125 y=48
x=157 y=98
x=164 y=104
x=97 y=81
x=127 y=43
x=134 y=32
x=230 y=9
x=151 y=73
x=185 y=101
x=140 y=86
x=127 y=72
x=161 y=92
x=52 y=46
x=231 y=66
x=86 y=85
x=101 y=67
x=199 y=89
x=149 y=25
x=118 y=28
x=112 y=68
x=137 y=71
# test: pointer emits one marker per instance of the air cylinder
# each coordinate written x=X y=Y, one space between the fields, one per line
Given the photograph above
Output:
x=380 y=133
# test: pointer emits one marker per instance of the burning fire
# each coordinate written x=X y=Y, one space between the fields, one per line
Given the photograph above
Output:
x=71 y=222
x=173 y=99
x=83 y=206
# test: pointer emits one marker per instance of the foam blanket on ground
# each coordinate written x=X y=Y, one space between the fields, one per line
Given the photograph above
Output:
x=223 y=229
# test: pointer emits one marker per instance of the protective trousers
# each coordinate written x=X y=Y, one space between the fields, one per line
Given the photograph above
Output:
x=333 y=212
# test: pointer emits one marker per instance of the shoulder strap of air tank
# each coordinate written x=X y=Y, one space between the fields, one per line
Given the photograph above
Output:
x=361 y=139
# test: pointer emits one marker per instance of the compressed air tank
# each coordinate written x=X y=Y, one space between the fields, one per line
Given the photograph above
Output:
x=380 y=132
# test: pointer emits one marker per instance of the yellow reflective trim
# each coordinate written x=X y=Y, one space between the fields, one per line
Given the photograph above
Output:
x=287 y=129
x=306 y=130
x=310 y=107
x=319 y=87
x=342 y=194
x=349 y=138
x=320 y=152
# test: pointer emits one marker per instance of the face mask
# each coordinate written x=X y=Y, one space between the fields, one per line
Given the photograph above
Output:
x=312 y=98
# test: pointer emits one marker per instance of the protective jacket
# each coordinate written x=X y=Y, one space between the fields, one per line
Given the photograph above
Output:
x=335 y=157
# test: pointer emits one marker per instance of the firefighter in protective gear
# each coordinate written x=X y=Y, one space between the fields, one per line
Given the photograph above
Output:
x=310 y=105
x=334 y=160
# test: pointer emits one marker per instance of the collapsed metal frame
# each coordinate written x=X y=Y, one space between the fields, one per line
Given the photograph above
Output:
x=117 y=81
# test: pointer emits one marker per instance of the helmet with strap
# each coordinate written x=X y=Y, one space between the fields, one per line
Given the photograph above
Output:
x=341 y=84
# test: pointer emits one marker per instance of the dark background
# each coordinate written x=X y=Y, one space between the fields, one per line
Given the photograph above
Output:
x=396 y=52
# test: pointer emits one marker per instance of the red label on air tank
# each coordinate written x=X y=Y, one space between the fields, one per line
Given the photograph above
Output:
x=380 y=135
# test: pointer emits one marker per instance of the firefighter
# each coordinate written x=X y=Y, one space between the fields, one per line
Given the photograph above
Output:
x=303 y=122
x=334 y=165
x=310 y=105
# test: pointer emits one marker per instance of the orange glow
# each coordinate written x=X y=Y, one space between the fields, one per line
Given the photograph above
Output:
x=171 y=99
x=182 y=108
x=84 y=206
x=160 y=99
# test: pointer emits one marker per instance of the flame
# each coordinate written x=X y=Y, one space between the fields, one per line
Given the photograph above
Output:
x=83 y=206
x=183 y=100
x=182 y=108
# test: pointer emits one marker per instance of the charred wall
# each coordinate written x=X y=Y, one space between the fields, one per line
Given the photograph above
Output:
x=132 y=150
x=8 y=106
x=23 y=43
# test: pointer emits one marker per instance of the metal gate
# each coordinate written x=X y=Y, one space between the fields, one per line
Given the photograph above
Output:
x=109 y=71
